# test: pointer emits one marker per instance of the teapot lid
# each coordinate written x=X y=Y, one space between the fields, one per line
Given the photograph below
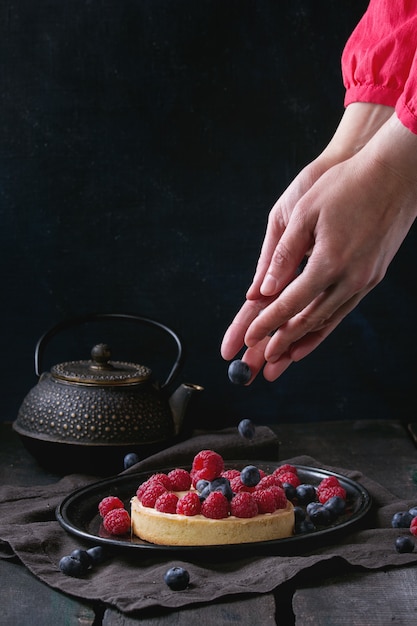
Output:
x=100 y=370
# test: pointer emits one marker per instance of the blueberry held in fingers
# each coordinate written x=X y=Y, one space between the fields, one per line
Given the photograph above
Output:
x=239 y=372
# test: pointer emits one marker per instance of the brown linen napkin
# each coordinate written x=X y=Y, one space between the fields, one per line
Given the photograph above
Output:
x=132 y=580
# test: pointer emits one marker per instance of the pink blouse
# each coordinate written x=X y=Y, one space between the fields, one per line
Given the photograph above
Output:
x=379 y=62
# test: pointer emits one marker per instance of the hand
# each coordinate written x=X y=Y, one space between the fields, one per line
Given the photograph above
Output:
x=350 y=222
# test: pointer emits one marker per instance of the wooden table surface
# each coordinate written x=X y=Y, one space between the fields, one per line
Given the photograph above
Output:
x=383 y=450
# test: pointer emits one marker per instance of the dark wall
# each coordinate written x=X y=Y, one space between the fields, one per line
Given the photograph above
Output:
x=142 y=145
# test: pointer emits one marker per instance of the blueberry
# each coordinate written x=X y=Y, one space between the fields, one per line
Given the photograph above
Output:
x=177 y=578
x=203 y=488
x=223 y=485
x=72 y=567
x=413 y=511
x=246 y=429
x=250 y=476
x=312 y=507
x=404 y=544
x=290 y=491
x=336 y=505
x=321 y=516
x=82 y=556
x=239 y=372
x=98 y=554
x=299 y=515
x=130 y=459
x=304 y=527
x=402 y=519
x=305 y=494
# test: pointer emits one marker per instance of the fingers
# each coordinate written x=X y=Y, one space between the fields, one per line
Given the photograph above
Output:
x=233 y=339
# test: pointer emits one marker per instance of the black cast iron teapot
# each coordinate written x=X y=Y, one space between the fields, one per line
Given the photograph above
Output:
x=82 y=408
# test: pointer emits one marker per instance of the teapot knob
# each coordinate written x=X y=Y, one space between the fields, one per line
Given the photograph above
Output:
x=101 y=356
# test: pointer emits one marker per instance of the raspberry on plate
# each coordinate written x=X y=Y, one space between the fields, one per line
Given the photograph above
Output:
x=413 y=527
x=167 y=502
x=180 y=479
x=244 y=505
x=117 y=522
x=189 y=504
x=290 y=478
x=207 y=465
x=215 y=506
x=108 y=504
x=329 y=492
x=329 y=481
x=282 y=469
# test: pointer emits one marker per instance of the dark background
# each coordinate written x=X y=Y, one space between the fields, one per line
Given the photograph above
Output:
x=143 y=143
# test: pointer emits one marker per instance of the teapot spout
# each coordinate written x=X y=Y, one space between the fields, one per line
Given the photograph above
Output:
x=179 y=402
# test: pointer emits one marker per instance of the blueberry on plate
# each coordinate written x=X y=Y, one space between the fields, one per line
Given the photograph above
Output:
x=305 y=493
x=239 y=372
x=246 y=429
x=177 y=578
x=336 y=505
x=404 y=544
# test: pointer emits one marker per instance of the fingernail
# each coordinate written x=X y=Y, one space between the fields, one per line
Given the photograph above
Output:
x=269 y=286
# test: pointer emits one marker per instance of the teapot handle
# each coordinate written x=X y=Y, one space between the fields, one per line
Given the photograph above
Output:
x=44 y=339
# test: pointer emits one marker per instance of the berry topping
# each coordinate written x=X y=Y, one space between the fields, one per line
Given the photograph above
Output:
x=246 y=429
x=215 y=506
x=180 y=479
x=207 y=465
x=250 y=476
x=152 y=493
x=130 y=460
x=237 y=485
x=239 y=372
x=244 y=505
x=177 y=578
x=282 y=469
x=413 y=527
x=231 y=473
x=330 y=492
x=162 y=478
x=189 y=504
x=167 y=502
x=117 y=522
x=289 y=477
x=223 y=485
x=108 y=504
x=265 y=500
x=268 y=481
x=279 y=495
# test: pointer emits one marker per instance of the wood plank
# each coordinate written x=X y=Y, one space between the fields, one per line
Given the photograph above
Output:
x=375 y=599
x=247 y=612
x=26 y=600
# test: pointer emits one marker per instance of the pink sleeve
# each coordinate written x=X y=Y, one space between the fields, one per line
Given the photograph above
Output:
x=379 y=62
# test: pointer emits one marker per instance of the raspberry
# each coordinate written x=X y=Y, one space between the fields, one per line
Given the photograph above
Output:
x=330 y=481
x=215 y=506
x=265 y=500
x=162 y=478
x=330 y=492
x=230 y=473
x=290 y=478
x=244 y=505
x=207 y=465
x=282 y=469
x=189 y=504
x=237 y=485
x=280 y=496
x=117 y=522
x=152 y=493
x=180 y=479
x=108 y=504
x=268 y=481
x=167 y=502
x=413 y=527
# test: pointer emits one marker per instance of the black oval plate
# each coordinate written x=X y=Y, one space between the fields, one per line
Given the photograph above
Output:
x=78 y=513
